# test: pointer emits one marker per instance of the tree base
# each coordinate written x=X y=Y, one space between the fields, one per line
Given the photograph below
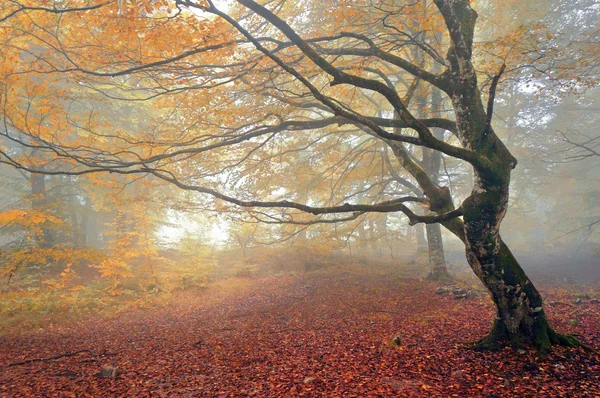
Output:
x=543 y=337
x=439 y=274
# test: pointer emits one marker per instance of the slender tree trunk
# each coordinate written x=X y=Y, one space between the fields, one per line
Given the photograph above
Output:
x=83 y=231
x=432 y=161
x=373 y=239
x=75 y=224
x=437 y=261
x=435 y=243
x=362 y=235
x=70 y=205
x=92 y=228
x=421 y=241
x=39 y=202
x=431 y=164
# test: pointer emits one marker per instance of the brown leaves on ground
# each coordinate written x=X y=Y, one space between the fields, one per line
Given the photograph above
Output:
x=328 y=335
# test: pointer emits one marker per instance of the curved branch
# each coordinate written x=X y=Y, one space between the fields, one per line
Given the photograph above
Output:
x=391 y=206
x=273 y=220
x=23 y=8
x=439 y=81
x=258 y=131
x=492 y=96
x=426 y=138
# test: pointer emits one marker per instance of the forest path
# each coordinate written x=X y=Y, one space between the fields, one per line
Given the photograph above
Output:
x=319 y=334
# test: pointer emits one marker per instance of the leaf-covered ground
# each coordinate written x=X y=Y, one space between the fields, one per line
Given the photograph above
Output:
x=315 y=335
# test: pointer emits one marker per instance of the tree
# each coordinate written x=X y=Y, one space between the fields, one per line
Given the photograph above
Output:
x=245 y=91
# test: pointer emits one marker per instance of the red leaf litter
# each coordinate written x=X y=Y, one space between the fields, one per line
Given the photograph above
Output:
x=326 y=335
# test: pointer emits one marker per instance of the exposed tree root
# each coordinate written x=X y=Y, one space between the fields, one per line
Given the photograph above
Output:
x=544 y=337
x=568 y=340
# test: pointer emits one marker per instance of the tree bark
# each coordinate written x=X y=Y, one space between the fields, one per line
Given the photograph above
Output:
x=39 y=202
x=421 y=241
x=520 y=317
x=437 y=262
x=432 y=161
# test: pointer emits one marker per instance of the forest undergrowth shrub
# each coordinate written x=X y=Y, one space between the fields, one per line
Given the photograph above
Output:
x=105 y=287
x=24 y=310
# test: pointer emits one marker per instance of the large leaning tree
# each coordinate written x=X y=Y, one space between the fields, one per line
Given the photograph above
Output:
x=281 y=109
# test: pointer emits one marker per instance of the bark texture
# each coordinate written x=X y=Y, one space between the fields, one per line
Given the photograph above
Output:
x=432 y=161
x=520 y=317
x=437 y=262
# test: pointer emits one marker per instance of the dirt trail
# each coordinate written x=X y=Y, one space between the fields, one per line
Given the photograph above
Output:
x=316 y=335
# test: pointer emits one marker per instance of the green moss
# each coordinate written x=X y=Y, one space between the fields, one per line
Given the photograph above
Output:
x=495 y=339
x=543 y=337
x=541 y=334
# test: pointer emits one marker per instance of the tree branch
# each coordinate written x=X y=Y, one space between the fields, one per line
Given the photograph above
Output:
x=23 y=8
x=439 y=81
x=492 y=96
x=426 y=138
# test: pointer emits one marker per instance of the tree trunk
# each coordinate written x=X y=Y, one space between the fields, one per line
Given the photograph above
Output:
x=432 y=161
x=39 y=201
x=83 y=231
x=75 y=226
x=91 y=227
x=421 y=241
x=520 y=317
x=437 y=262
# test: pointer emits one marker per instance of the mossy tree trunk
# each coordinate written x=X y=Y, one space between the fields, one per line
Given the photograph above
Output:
x=520 y=315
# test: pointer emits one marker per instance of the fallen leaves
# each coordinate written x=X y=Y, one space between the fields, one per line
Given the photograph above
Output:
x=310 y=336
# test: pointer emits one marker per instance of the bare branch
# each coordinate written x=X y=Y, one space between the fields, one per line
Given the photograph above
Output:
x=426 y=138
x=54 y=10
x=492 y=96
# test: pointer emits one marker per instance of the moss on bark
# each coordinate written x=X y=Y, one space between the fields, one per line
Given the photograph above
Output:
x=541 y=336
x=520 y=320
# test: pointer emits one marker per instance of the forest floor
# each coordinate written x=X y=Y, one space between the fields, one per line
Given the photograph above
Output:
x=321 y=334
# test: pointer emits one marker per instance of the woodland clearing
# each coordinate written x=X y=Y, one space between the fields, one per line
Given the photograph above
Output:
x=324 y=333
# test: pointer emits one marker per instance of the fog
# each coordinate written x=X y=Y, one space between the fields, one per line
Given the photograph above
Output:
x=299 y=198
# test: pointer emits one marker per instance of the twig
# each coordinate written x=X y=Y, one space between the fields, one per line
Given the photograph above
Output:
x=68 y=354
